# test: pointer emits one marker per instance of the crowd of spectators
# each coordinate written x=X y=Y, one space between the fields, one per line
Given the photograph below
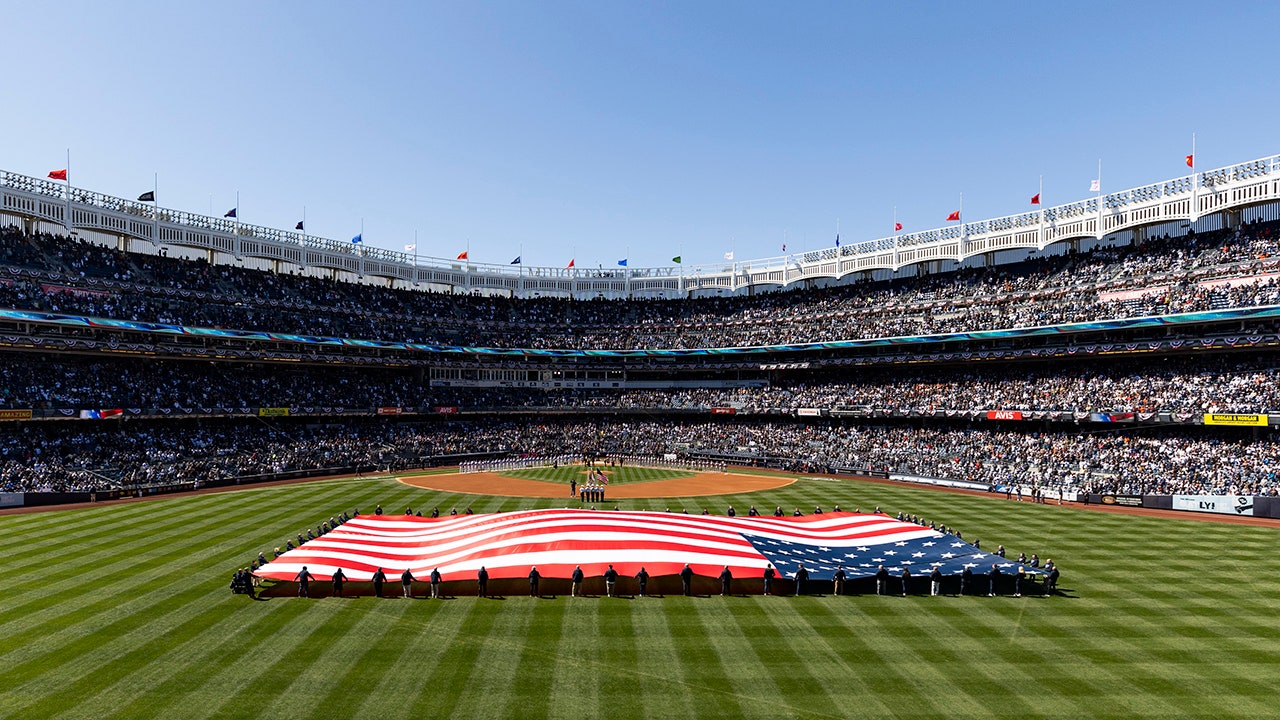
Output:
x=36 y=457
x=1212 y=383
x=1228 y=268
x=1160 y=276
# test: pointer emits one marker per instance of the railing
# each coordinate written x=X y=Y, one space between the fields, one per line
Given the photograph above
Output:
x=1183 y=198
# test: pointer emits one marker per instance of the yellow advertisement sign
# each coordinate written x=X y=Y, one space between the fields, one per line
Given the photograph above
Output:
x=15 y=414
x=1244 y=420
x=272 y=412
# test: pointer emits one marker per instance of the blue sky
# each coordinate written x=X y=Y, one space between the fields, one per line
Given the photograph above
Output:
x=598 y=130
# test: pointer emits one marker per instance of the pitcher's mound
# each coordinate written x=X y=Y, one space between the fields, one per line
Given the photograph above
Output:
x=699 y=485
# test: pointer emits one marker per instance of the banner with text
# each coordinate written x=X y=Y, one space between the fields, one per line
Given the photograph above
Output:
x=1221 y=504
x=1241 y=420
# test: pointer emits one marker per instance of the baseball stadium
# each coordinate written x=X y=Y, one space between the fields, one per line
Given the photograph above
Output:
x=1011 y=466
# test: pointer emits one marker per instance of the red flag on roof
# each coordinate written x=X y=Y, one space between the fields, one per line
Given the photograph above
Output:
x=58 y=174
x=897 y=226
x=463 y=255
x=1191 y=161
x=1035 y=199
x=570 y=263
x=953 y=216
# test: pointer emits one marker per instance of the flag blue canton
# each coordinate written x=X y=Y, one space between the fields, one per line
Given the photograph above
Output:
x=948 y=552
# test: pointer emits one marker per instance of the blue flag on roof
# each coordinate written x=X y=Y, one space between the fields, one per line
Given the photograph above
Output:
x=516 y=261
x=230 y=213
x=357 y=239
x=622 y=262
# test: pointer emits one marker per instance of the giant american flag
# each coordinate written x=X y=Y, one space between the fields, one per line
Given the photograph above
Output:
x=508 y=544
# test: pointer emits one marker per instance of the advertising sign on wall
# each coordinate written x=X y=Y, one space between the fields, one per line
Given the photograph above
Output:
x=1222 y=504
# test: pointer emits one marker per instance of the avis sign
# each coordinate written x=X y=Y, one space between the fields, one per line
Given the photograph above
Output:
x=1004 y=414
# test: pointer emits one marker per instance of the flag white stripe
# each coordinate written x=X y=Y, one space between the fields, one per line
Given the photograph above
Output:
x=508 y=543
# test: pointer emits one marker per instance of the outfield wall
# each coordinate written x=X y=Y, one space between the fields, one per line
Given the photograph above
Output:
x=1266 y=506
x=1263 y=506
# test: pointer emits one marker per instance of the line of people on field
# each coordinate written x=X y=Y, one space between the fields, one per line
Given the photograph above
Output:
x=244 y=582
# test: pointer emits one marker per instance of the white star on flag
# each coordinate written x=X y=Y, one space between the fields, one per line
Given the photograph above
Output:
x=917 y=554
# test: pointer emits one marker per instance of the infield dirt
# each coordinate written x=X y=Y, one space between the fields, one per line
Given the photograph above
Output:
x=699 y=485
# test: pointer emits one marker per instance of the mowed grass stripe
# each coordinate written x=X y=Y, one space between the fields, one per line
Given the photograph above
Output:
x=129 y=566
x=573 y=674
x=443 y=692
x=839 y=639
x=532 y=694
x=407 y=657
x=303 y=664
x=1179 y=609
x=171 y=515
x=217 y=650
x=497 y=658
x=620 y=694
x=617 y=475
x=658 y=663
x=703 y=662
x=783 y=662
x=977 y=632
x=343 y=675
x=91 y=608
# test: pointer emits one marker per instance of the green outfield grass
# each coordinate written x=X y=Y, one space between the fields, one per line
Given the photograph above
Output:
x=617 y=475
x=124 y=612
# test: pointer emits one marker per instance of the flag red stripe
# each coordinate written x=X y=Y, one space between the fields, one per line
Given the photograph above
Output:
x=557 y=540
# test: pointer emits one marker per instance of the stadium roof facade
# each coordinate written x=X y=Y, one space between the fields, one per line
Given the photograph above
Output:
x=1231 y=189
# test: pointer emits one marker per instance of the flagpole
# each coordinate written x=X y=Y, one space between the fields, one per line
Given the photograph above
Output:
x=1040 y=197
x=680 y=265
x=155 y=212
x=67 y=195
x=1195 y=190
x=1100 y=233
x=626 y=273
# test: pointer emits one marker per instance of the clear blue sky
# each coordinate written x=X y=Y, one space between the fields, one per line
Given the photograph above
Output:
x=598 y=130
